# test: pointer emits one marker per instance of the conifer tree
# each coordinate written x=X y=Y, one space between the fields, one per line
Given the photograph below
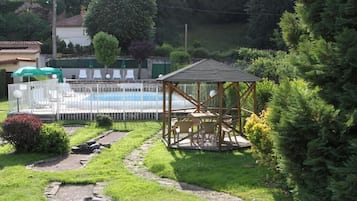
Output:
x=323 y=42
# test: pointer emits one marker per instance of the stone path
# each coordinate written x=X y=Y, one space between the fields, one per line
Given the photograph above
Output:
x=58 y=192
x=74 y=161
x=134 y=163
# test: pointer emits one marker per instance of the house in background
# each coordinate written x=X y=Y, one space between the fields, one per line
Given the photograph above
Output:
x=71 y=30
x=17 y=54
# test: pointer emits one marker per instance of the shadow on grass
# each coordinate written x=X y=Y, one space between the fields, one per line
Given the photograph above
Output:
x=231 y=172
x=14 y=159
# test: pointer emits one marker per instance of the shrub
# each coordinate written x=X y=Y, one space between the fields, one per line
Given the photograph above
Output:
x=258 y=133
x=23 y=131
x=230 y=56
x=53 y=139
x=199 y=52
x=104 y=120
x=178 y=59
x=264 y=93
x=164 y=50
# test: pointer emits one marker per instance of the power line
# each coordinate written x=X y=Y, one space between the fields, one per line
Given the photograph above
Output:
x=219 y=12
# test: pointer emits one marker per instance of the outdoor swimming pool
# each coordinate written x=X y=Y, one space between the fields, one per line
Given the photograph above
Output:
x=132 y=101
x=127 y=96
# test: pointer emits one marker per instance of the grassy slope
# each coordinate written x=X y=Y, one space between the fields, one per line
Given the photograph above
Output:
x=217 y=36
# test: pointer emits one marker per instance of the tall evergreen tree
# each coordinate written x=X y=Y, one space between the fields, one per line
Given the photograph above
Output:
x=322 y=36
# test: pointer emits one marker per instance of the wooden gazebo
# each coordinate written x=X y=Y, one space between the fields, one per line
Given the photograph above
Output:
x=207 y=125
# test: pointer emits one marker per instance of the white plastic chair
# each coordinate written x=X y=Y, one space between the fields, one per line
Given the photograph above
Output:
x=116 y=74
x=97 y=74
x=82 y=74
x=129 y=74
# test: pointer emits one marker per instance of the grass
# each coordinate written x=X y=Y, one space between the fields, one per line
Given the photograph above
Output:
x=19 y=183
x=232 y=172
x=218 y=37
x=4 y=108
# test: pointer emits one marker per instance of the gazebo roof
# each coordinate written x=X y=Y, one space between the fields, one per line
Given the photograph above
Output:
x=209 y=70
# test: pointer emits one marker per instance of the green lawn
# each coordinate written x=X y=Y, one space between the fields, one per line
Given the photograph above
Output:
x=4 y=105
x=18 y=183
x=217 y=36
x=232 y=172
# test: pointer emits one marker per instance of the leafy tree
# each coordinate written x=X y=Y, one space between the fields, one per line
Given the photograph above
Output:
x=141 y=50
x=25 y=26
x=274 y=67
x=263 y=19
x=126 y=20
x=106 y=48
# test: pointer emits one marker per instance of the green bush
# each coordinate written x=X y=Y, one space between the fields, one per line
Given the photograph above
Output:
x=22 y=131
x=104 y=120
x=264 y=92
x=226 y=56
x=53 y=139
x=164 y=50
x=199 y=52
x=258 y=132
x=178 y=59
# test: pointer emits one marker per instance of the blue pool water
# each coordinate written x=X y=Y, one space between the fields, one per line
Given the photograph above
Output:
x=126 y=96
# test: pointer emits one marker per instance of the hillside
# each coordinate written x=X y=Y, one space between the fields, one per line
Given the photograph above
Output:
x=217 y=37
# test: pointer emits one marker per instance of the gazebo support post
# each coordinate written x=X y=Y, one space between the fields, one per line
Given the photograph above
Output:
x=163 y=110
x=255 y=97
x=170 y=115
x=220 y=97
x=239 y=108
x=198 y=96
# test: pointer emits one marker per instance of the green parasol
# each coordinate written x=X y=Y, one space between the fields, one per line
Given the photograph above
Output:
x=51 y=70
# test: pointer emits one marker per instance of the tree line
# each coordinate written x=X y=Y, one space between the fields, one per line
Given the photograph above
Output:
x=161 y=20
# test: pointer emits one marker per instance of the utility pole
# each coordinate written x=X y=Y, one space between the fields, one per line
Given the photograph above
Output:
x=54 y=38
x=185 y=37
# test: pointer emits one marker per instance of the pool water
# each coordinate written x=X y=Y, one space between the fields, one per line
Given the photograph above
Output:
x=127 y=96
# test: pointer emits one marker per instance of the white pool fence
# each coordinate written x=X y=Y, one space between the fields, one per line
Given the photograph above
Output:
x=83 y=101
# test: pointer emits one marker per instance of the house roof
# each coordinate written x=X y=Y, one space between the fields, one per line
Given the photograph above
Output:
x=74 y=21
x=209 y=70
x=14 y=61
x=19 y=51
x=19 y=44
